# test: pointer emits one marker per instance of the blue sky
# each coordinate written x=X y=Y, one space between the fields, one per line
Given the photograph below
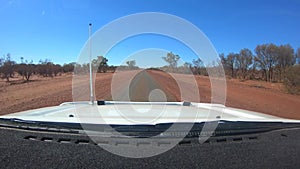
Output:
x=58 y=30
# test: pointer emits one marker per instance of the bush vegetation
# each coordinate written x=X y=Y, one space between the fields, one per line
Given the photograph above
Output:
x=268 y=62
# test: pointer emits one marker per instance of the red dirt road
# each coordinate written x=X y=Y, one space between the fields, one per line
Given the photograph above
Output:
x=251 y=95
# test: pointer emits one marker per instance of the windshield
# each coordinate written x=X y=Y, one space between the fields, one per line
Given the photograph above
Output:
x=150 y=63
x=44 y=43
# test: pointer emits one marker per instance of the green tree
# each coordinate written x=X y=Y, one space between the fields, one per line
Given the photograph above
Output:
x=286 y=59
x=198 y=66
x=187 y=65
x=244 y=62
x=292 y=79
x=298 y=56
x=1 y=62
x=172 y=60
x=229 y=63
x=7 y=67
x=68 y=67
x=46 y=68
x=102 y=64
x=267 y=58
x=25 y=69
x=131 y=64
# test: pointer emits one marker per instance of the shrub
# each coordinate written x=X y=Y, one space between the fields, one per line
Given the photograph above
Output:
x=292 y=79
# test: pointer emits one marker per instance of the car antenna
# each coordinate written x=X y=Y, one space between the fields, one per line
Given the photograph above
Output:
x=91 y=70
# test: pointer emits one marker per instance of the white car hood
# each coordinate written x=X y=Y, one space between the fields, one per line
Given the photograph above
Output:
x=128 y=113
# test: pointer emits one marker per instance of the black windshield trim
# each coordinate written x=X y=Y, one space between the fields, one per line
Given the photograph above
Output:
x=223 y=127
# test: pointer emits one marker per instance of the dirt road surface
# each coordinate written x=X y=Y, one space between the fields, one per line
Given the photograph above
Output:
x=251 y=95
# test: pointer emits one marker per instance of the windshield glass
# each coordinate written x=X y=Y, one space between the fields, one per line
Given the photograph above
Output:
x=146 y=70
x=247 y=59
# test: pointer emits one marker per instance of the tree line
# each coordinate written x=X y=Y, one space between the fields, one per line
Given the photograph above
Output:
x=45 y=68
x=268 y=62
x=100 y=65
